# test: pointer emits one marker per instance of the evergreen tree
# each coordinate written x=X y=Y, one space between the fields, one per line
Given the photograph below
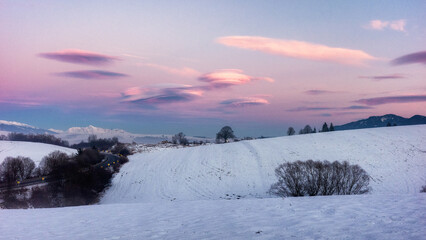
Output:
x=331 y=127
x=324 y=128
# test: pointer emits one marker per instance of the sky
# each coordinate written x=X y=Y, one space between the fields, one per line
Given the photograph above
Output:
x=162 y=67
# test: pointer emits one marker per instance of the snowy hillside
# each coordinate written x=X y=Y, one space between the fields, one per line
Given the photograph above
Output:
x=35 y=151
x=333 y=217
x=395 y=158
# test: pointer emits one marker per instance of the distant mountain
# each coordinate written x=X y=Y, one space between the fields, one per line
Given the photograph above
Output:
x=9 y=126
x=383 y=121
x=77 y=134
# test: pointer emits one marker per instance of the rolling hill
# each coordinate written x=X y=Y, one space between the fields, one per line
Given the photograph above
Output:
x=394 y=157
x=35 y=151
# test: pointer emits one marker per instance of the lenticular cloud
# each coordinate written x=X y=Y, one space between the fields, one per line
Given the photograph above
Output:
x=297 y=49
x=79 y=57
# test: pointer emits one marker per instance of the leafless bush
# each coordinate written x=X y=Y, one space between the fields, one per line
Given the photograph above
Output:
x=312 y=178
x=423 y=190
x=14 y=169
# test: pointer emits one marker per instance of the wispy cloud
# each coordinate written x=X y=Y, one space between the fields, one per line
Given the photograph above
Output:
x=392 y=99
x=319 y=92
x=244 y=102
x=303 y=109
x=384 y=77
x=79 y=57
x=417 y=57
x=356 y=107
x=397 y=25
x=92 y=74
x=229 y=77
x=159 y=95
x=184 y=71
x=313 y=109
x=297 y=49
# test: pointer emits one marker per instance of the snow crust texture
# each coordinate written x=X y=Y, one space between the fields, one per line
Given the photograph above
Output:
x=333 y=217
x=395 y=158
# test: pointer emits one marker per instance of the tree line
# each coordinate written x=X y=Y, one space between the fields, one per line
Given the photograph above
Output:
x=308 y=129
x=73 y=180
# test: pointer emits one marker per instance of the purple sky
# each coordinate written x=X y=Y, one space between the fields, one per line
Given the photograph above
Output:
x=195 y=66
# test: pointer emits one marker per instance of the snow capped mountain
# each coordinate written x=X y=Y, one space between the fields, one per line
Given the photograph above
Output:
x=78 y=134
x=94 y=130
x=11 y=126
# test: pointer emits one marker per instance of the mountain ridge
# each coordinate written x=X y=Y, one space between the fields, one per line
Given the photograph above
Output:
x=382 y=121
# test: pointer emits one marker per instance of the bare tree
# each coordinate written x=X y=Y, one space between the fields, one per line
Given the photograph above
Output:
x=180 y=139
x=53 y=163
x=225 y=134
x=16 y=169
x=290 y=131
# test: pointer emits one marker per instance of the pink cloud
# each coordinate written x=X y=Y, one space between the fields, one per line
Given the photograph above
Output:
x=297 y=49
x=384 y=77
x=378 y=24
x=162 y=94
x=319 y=92
x=229 y=77
x=397 y=25
x=79 y=57
x=392 y=99
x=243 y=102
x=184 y=71
x=93 y=74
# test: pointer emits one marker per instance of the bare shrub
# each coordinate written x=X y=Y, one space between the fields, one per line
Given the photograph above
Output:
x=180 y=138
x=312 y=178
x=423 y=190
x=14 y=169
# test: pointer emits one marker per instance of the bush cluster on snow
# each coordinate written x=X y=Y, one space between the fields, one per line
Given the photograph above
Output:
x=312 y=178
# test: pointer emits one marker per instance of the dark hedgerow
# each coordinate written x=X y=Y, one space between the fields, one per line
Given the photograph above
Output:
x=312 y=178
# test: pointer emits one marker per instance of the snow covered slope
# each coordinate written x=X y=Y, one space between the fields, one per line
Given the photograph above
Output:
x=35 y=151
x=395 y=157
x=332 y=217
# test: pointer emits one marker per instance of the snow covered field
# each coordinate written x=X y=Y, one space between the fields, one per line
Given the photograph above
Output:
x=181 y=193
x=35 y=151
x=334 y=217
x=394 y=157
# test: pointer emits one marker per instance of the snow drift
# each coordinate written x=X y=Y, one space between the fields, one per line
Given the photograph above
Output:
x=395 y=158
